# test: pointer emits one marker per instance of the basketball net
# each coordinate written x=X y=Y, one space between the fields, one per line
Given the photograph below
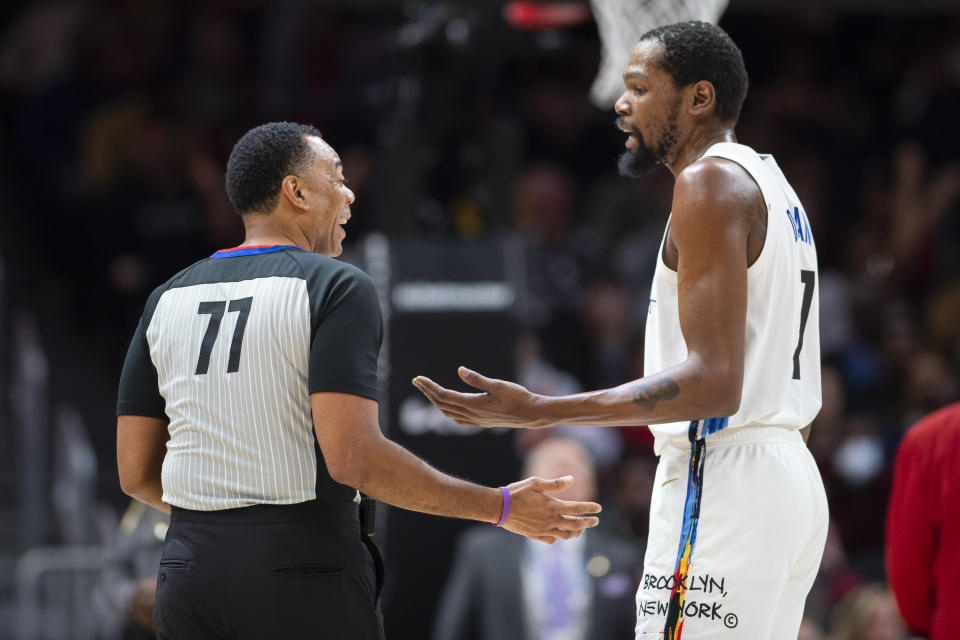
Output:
x=622 y=22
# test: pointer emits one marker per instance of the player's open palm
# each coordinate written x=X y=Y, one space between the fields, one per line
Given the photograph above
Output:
x=536 y=515
x=502 y=403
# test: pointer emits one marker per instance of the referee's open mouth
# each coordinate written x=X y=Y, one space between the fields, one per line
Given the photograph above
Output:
x=344 y=217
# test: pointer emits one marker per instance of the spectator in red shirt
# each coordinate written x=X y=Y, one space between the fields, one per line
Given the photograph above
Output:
x=923 y=524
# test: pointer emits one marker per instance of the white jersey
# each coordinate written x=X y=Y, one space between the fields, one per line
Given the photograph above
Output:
x=781 y=376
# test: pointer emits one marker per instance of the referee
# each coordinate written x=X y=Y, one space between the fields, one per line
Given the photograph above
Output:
x=248 y=410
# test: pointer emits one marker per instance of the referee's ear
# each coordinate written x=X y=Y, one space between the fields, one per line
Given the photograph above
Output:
x=291 y=189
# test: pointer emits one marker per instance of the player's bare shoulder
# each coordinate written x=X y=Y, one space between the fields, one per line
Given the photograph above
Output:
x=718 y=193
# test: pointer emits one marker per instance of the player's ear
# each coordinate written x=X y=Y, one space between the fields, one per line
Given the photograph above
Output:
x=702 y=98
x=290 y=188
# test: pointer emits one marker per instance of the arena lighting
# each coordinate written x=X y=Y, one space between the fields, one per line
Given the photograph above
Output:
x=538 y=16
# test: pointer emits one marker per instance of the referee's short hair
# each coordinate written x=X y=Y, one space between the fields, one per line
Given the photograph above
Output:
x=261 y=159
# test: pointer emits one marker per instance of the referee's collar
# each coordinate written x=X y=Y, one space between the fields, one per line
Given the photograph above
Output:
x=252 y=250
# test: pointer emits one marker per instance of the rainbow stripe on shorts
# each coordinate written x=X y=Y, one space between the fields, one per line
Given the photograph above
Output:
x=673 y=628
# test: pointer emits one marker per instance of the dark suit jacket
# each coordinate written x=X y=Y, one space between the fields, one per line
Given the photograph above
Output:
x=483 y=597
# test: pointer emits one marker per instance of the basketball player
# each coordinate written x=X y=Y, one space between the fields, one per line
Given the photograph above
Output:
x=738 y=516
x=248 y=411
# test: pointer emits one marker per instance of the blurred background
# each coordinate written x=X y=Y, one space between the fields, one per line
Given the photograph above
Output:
x=491 y=218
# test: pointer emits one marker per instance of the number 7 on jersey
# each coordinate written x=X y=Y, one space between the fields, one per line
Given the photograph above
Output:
x=808 y=278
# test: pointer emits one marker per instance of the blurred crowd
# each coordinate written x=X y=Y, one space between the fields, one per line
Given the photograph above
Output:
x=117 y=117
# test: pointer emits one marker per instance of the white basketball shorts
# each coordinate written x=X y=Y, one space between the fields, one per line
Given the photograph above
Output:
x=738 y=521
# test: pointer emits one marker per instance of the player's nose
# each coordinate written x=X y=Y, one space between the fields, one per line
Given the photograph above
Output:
x=622 y=105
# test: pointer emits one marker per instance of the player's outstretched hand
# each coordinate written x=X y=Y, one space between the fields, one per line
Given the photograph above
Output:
x=536 y=515
x=502 y=403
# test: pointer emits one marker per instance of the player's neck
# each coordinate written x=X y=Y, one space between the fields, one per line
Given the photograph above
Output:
x=695 y=146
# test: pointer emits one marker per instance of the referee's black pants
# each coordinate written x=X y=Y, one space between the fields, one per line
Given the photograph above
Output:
x=266 y=571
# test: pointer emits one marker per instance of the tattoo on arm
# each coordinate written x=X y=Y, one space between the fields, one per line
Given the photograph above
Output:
x=647 y=395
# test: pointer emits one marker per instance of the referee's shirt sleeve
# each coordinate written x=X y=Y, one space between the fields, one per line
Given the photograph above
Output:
x=139 y=393
x=346 y=338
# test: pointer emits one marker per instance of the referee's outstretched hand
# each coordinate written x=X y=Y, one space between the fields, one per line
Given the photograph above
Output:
x=536 y=515
x=502 y=403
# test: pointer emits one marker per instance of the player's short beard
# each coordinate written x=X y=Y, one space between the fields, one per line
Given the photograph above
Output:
x=644 y=159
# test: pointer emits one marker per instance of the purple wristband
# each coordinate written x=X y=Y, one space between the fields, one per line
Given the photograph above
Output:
x=506 y=507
